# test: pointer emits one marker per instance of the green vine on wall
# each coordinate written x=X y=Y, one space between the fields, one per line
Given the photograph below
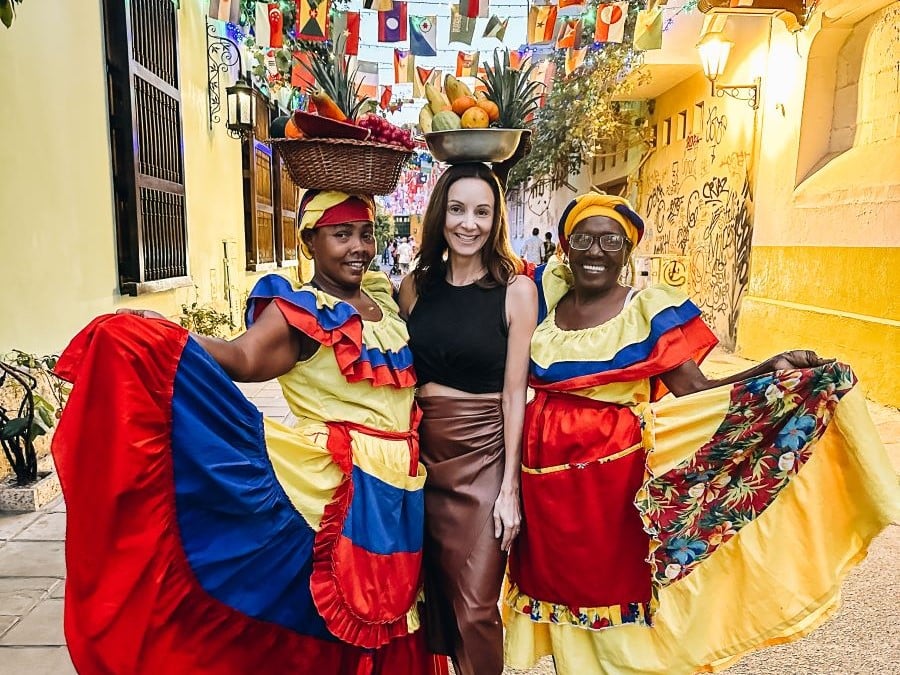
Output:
x=580 y=118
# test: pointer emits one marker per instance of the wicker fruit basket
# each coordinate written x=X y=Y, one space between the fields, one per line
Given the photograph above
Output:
x=342 y=164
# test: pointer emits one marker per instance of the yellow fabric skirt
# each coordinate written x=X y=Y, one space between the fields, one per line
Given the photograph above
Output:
x=775 y=581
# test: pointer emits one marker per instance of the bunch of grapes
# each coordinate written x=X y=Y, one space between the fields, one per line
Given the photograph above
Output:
x=385 y=132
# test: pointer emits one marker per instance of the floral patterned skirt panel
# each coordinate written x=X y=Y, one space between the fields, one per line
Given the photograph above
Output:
x=755 y=501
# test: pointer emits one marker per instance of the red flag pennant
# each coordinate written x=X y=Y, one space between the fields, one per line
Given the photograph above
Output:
x=386 y=94
x=345 y=33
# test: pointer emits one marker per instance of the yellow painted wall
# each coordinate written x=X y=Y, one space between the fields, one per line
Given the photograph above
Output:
x=57 y=229
x=824 y=193
x=825 y=269
x=695 y=189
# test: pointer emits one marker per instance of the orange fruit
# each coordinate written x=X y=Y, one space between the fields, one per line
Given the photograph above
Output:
x=461 y=104
x=475 y=118
x=490 y=108
x=291 y=130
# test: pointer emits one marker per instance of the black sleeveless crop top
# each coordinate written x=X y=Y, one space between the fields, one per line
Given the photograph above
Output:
x=457 y=335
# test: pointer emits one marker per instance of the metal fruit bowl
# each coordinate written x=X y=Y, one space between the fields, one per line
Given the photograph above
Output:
x=458 y=146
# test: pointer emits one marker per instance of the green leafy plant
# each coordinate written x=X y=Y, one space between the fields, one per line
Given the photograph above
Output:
x=580 y=118
x=24 y=413
x=206 y=320
x=8 y=11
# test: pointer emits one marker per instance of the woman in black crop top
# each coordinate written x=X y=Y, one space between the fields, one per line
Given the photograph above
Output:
x=470 y=316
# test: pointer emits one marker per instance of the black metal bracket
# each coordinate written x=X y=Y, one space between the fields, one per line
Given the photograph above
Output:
x=222 y=54
x=740 y=92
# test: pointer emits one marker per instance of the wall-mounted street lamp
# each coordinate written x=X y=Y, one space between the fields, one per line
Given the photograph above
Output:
x=222 y=54
x=241 y=106
x=714 y=49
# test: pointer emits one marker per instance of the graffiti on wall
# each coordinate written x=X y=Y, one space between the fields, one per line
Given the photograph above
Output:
x=697 y=200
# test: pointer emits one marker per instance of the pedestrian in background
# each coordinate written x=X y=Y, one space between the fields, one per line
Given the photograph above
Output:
x=404 y=255
x=549 y=247
x=470 y=315
x=533 y=247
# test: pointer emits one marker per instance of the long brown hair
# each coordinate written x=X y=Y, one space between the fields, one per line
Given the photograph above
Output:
x=497 y=255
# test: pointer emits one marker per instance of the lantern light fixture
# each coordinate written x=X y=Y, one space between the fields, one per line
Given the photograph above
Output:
x=714 y=49
x=240 y=106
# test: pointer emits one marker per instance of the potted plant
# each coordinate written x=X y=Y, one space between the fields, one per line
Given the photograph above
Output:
x=31 y=401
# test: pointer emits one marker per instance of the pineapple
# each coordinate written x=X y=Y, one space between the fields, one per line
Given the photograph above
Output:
x=334 y=78
x=512 y=91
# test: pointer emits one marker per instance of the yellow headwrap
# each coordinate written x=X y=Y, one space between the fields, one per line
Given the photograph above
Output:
x=331 y=207
x=596 y=204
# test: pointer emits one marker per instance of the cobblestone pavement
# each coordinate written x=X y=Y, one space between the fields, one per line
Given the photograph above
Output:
x=862 y=638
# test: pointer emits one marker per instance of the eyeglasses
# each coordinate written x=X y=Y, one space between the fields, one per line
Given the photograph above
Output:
x=608 y=242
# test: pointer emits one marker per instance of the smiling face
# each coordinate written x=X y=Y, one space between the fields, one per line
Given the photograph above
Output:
x=596 y=269
x=469 y=218
x=342 y=253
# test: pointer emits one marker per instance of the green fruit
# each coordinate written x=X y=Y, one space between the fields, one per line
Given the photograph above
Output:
x=445 y=121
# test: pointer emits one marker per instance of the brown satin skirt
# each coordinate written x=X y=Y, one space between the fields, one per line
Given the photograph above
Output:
x=461 y=444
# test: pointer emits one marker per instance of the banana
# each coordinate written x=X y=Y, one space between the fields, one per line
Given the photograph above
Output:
x=451 y=87
x=436 y=100
x=425 y=119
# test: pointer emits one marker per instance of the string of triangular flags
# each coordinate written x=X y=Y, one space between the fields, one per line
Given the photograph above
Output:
x=576 y=26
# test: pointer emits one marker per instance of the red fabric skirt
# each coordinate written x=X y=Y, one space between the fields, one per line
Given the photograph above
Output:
x=582 y=542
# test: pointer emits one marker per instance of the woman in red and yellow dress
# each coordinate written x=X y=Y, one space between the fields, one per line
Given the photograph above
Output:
x=674 y=535
x=203 y=538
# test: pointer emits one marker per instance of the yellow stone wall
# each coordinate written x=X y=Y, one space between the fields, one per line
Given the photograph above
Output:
x=57 y=229
x=792 y=241
x=825 y=268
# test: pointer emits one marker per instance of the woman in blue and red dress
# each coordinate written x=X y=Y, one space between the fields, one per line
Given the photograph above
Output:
x=670 y=536
x=203 y=538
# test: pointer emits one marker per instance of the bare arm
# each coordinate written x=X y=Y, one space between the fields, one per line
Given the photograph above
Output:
x=407 y=296
x=688 y=378
x=521 y=310
x=268 y=349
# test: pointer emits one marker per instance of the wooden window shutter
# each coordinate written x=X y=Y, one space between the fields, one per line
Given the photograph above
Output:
x=270 y=199
x=146 y=139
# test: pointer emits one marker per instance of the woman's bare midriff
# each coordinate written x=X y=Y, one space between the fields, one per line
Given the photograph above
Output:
x=435 y=389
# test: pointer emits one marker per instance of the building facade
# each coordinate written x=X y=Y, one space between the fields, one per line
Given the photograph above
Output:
x=780 y=220
x=118 y=190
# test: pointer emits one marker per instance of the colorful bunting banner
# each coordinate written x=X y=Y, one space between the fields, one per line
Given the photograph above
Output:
x=425 y=76
x=496 y=27
x=541 y=23
x=345 y=33
x=462 y=28
x=611 y=22
x=574 y=59
x=380 y=5
x=367 y=78
x=569 y=34
x=404 y=66
x=392 y=24
x=648 y=29
x=570 y=7
x=386 y=93
x=267 y=29
x=225 y=10
x=474 y=8
x=467 y=64
x=517 y=58
x=301 y=78
x=312 y=20
x=423 y=35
